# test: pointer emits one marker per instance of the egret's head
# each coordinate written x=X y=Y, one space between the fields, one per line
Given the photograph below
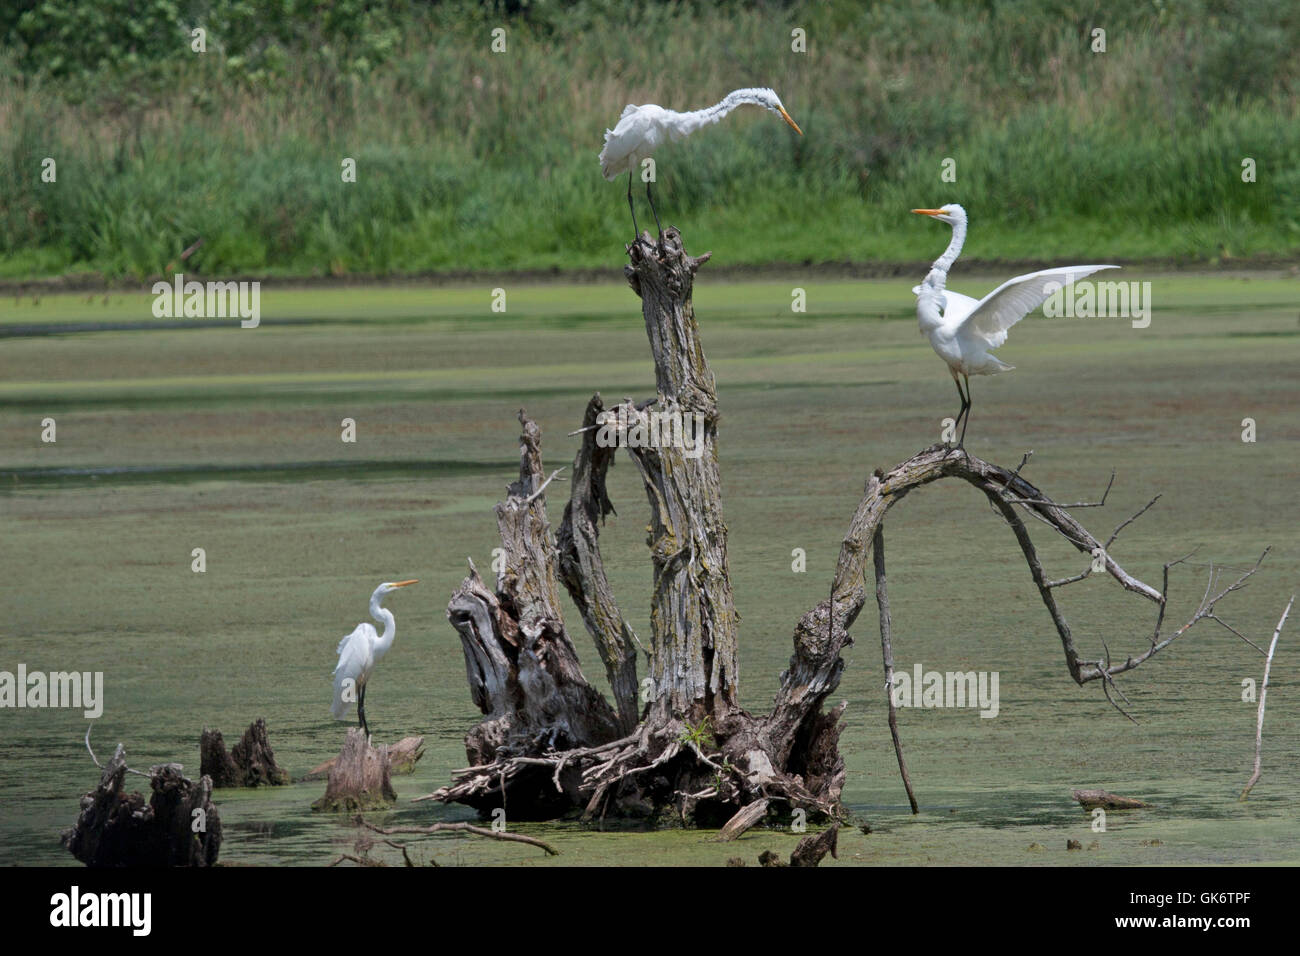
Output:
x=951 y=213
x=769 y=100
x=389 y=586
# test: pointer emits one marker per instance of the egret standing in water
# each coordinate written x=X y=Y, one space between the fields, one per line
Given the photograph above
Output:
x=360 y=651
x=643 y=129
x=961 y=329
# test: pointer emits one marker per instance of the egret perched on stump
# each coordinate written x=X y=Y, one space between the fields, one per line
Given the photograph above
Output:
x=961 y=329
x=643 y=129
x=360 y=651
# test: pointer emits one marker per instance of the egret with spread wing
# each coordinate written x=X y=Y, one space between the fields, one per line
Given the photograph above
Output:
x=963 y=330
x=643 y=129
x=359 y=652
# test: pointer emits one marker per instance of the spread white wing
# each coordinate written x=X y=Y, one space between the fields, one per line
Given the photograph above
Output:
x=1016 y=298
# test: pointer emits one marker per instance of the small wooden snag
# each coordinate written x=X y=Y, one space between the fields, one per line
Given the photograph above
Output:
x=359 y=779
x=254 y=756
x=813 y=847
x=744 y=818
x=403 y=755
x=214 y=761
x=250 y=764
x=1091 y=799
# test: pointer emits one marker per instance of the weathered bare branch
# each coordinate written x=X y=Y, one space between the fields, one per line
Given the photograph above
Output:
x=582 y=569
x=464 y=828
x=882 y=601
x=1263 y=693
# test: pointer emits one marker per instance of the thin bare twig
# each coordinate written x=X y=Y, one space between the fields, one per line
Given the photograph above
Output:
x=139 y=773
x=1124 y=524
x=538 y=493
x=1047 y=501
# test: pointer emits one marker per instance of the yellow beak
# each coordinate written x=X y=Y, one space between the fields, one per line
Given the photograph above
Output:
x=402 y=584
x=928 y=212
x=786 y=116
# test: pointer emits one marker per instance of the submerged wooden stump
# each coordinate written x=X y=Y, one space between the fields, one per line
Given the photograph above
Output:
x=359 y=779
x=215 y=761
x=250 y=764
x=402 y=757
x=176 y=826
x=813 y=847
x=1091 y=799
x=404 y=754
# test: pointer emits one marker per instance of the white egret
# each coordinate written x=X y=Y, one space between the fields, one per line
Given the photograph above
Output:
x=360 y=651
x=643 y=129
x=961 y=329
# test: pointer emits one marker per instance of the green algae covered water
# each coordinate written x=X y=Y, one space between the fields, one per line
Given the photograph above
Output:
x=171 y=439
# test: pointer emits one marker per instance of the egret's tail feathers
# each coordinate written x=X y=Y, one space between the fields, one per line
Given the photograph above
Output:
x=340 y=707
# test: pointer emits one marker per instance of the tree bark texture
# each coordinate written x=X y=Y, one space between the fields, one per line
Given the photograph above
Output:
x=692 y=617
x=250 y=764
x=176 y=826
x=359 y=779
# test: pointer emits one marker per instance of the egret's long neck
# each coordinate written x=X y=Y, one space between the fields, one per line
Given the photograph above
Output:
x=689 y=122
x=384 y=617
x=938 y=274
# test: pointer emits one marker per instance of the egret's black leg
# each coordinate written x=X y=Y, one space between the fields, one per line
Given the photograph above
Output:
x=962 y=442
x=650 y=197
x=636 y=232
x=361 y=709
x=962 y=412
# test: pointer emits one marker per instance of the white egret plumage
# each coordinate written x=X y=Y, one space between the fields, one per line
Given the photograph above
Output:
x=360 y=651
x=643 y=129
x=962 y=330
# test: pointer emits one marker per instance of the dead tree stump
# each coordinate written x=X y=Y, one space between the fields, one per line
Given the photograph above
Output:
x=215 y=762
x=177 y=826
x=402 y=758
x=255 y=758
x=359 y=779
x=550 y=744
x=813 y=847
x=521 y=665
x=250 y=764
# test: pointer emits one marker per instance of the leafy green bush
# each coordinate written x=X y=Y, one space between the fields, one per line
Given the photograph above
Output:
x=470 y=159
